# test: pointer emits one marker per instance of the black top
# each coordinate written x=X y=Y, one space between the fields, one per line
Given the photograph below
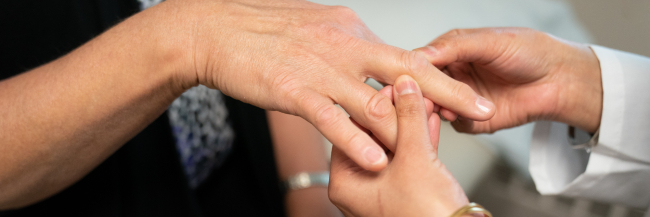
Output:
x=144 y=177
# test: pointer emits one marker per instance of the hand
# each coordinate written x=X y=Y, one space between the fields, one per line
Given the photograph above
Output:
x=528 y=74
x=415 y=182
x=303 y=58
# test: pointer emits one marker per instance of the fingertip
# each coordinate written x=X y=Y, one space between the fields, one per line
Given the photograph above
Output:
x=405 y=84
x=448 y=114
x=376 y=158
x=485 y=108
x=387 y=91
x=436 y=108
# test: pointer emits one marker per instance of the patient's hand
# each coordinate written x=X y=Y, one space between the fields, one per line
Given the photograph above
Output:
x=415 y=182
x=529 y=75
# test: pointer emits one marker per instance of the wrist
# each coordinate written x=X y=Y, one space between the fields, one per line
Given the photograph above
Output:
x=166 y=38
x=582 y=97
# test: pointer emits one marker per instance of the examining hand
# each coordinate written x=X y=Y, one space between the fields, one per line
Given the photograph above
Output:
x=529 y=75
x=303 y=58
x=415 y=182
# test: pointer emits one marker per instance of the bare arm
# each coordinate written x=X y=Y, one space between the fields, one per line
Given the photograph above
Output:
x=62 y=119
x=59 y=121
x=298 y=147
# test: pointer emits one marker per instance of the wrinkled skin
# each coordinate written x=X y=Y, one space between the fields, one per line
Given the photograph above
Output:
x=303 y=58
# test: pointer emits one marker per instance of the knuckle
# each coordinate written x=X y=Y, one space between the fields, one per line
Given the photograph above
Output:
x=346 y=13
x=326 y=116
x=454 y=32
x=285 y=85
x=288 y=88
x=461 y=90
x=414 y=63
x=379 y=108
x=355 y=141
x=335 y=36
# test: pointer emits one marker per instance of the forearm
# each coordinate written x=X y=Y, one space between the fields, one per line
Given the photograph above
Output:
x=62 y=119
x=298 y=147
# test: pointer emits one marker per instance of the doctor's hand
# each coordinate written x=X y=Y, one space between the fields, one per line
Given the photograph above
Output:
x=415 y=182
x=302 y=58
x=528 y=74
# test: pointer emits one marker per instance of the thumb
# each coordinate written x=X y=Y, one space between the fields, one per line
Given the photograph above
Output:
x=413 y=139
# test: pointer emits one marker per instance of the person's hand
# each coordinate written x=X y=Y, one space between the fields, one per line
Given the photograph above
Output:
x=415 y=182
x=529 y=75
x=303 y=58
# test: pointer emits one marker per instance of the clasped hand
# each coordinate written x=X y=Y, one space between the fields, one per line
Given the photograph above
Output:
x=415 y=182
x=530 y=75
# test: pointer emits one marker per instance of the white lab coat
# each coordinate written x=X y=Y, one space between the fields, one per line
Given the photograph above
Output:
x=618 y=168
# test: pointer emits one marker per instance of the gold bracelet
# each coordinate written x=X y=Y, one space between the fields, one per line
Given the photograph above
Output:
x=471 y=208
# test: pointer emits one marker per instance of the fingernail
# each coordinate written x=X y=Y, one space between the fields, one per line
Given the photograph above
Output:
x=373 y=155
x=484 y=105
x=406 y=87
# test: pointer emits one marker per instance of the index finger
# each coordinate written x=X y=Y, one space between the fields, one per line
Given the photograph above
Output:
x=387 y=63
x=337 y=127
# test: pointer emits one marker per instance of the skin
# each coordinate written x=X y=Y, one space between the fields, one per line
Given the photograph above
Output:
x=415 y=182
x=299 y=147
x=62 y=119
x=528 y=74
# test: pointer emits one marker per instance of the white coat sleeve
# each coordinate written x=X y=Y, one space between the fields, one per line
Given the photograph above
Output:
x=618 y=168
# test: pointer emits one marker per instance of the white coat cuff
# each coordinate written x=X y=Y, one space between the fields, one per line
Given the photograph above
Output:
x=612 y=172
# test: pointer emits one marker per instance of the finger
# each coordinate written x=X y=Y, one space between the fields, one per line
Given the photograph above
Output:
x=413 y=137
x=436 y=108
x=449 y=115
x=466 y=45
x=434 y=132
x=387 y=91
x=431 y=107
x=371 y=109
x=335 y=125
x=388 y=63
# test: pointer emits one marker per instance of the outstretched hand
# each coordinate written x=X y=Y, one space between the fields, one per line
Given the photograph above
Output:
x=415 y=182
x=529 y=75
x=303 y=58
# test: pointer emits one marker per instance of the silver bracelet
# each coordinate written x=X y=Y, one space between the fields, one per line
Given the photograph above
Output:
x=307 y=180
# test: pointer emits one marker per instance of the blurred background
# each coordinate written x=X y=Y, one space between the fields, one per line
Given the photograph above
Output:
x=493 y=169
